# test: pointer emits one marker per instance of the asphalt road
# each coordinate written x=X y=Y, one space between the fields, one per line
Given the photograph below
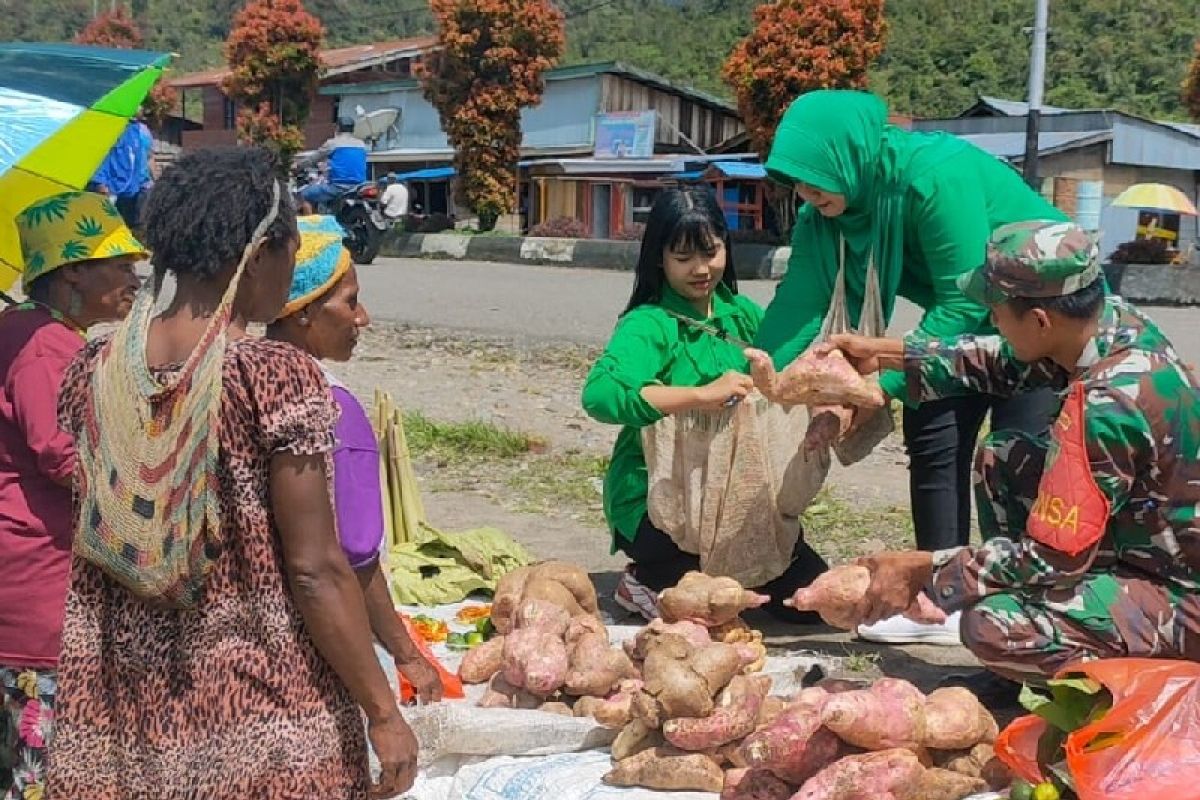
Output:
x=540 y=304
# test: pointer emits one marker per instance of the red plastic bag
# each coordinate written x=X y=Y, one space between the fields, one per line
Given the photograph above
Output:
x=1017 y=747
x=452 y=688
x=1146 y=746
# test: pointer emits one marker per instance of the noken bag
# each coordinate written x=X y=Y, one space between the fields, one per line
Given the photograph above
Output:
x=729 y=486
x=859 y=443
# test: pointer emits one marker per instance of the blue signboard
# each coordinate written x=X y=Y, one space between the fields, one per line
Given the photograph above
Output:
x=625 y=134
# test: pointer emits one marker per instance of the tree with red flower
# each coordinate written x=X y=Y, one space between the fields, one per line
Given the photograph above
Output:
x=274 y=55
x=489 y=64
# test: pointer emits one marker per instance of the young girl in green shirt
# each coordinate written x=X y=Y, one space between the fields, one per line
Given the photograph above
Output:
x=656 y=364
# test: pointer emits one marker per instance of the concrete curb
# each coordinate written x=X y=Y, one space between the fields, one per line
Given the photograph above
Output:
x=753 y=261
x=1155 y=284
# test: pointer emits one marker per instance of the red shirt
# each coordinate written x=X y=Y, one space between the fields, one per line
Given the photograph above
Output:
x=36 y=463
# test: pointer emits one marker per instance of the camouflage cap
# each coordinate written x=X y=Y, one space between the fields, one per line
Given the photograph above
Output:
x=1037 y=258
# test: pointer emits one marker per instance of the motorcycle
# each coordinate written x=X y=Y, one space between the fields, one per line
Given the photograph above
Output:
x=360 y=212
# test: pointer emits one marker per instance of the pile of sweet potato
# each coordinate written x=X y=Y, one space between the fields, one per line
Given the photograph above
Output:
x=888 y=741
x=551 y=646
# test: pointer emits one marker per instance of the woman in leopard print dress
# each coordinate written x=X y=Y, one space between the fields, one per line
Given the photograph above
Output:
x=255 y=690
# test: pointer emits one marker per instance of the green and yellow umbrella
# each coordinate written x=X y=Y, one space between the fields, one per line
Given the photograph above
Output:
x=62 y=106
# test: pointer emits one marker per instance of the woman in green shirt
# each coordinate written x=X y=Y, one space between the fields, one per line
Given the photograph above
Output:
x=923 y=206
x=656 y=364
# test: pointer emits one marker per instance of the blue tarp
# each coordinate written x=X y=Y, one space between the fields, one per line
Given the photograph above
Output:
x=741 y=170
x=431 y=174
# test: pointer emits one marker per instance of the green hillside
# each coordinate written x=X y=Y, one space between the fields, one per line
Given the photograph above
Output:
x=1130 y=54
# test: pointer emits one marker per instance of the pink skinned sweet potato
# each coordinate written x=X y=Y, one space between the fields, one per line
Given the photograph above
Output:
x=754 y=784
x=840 y=597
x=482 y=662
x=535 y=660
x=814 y=379
x=542 y=616
x=707 y=600
x=890 y=714
x=885 y=775
x=501 y=694
x=795 y=745
x=956 y=720
x=613 y=712
x=735 y=717
x=559 y=583
x=826 y=425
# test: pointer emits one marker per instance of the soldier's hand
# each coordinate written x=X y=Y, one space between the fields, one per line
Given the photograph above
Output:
x=896 y=580
x=867 y=354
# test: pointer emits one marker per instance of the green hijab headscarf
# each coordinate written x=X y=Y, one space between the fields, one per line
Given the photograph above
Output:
x=839 y=141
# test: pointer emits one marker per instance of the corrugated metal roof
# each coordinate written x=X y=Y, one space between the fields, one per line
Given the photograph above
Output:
x=1184 y=127
x=741 y=170
x=1016 y=108
x=1012 y=145
x=333 y=62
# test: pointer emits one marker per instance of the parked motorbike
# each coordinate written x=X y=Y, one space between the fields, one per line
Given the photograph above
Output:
x=359 y=211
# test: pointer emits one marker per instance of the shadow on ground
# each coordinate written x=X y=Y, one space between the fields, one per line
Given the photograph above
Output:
x=923 y=665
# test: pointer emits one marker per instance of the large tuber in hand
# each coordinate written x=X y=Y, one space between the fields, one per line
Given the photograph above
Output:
x=816 y=378
x=841 y=597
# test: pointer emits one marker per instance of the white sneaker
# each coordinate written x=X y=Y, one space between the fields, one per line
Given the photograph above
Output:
x=635 y=597
x=902 y=630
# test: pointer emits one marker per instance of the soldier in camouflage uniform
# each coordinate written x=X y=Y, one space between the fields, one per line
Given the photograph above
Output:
x=1095 y=543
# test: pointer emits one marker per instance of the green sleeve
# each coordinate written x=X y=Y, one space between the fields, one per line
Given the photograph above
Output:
x=793 y=318
x=939 y=368
x=949 y=219
x=635 y=356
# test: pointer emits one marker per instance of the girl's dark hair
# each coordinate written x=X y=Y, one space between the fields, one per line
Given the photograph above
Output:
x=203 y=210
x=684 y=220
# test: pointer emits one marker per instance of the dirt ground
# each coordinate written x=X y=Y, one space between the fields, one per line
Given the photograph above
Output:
x=549 y=500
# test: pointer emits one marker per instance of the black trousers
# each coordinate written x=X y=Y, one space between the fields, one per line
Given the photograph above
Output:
x=658 y=563
x=941 y=438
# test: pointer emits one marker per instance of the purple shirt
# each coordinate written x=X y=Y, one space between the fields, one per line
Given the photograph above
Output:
x=357 y=500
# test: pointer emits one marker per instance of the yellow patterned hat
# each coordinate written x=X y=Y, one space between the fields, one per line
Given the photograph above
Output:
x=321 y=261
x=70 y=227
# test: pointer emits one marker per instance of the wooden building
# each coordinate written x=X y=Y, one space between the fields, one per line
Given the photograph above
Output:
x=210 y=117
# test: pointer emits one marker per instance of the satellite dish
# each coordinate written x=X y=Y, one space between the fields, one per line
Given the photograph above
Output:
x=373 y=125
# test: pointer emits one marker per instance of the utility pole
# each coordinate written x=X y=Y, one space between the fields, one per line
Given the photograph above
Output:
x=1037 y=83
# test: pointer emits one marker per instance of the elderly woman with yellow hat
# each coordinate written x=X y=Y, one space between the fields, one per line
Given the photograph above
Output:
x=79 y=271
x=323 y=317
